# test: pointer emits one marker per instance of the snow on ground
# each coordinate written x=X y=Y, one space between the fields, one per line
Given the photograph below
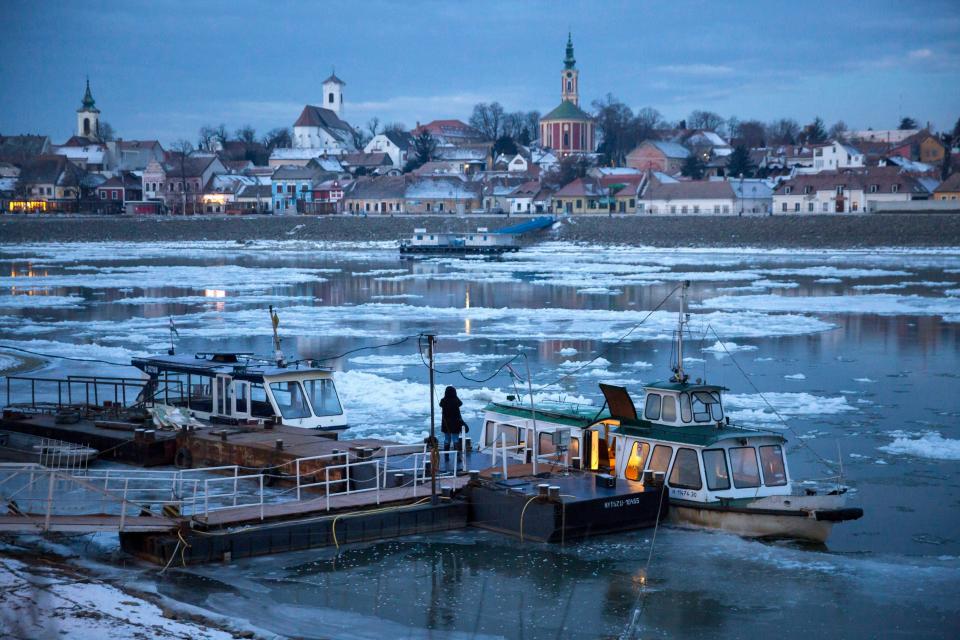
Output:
x=750 y=408
x=927 y=445
x=44 y=602
x=8 y=361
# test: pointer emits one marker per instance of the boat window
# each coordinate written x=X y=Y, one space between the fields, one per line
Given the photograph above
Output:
x=685 y=407
x=638 y=456
x=715 y=466
x=240 y=391
x=259 y=405
x=669 y=409
x=574 y=450
x=746 y=473
x=512 y=434
x=488 y=433
x=546 y=446
x=774 y=473
x=323 y=397
x=290 y=399
x=660 y=459
x=652 y=409
x=706 y=406
x=686 y=470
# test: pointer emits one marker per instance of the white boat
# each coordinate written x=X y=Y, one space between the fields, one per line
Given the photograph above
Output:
x=237 y=388
x=718 y=475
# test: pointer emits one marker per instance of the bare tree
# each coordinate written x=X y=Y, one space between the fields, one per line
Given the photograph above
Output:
x=246 y=134
x=752 y=134
x=705 y=120
x=838 y=131
x=373 y=126
x=783 y=131
x=182 y=148
x=279 y=138
x=394 y=127
x=488 y=119
x=105 y=131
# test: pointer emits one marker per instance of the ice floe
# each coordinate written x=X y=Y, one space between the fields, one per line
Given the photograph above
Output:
x=795 y=376
x=568 y=351
x=40 y=302
x=724 y=348
x=880 y=304
x=927 y=445
x=751 y=407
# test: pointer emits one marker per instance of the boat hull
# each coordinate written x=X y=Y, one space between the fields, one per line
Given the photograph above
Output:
x=808 y=518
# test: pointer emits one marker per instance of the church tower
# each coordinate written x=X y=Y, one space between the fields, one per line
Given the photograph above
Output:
x=333 y=94
x=570 y=78
x=88 y=117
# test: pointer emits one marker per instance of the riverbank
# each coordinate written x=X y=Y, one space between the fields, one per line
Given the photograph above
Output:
x=813 y=232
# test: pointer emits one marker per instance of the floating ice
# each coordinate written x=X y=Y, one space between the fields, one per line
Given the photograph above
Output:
x=881 y=304
x=40 y=302
x=929 y=445
x=795 y=376
x=598 y=362
x=728 y=347
x=863 y=380
x=568 y=351
x=639 y=364
x=751 y=407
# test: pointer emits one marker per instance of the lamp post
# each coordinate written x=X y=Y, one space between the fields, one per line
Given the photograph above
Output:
x=741 y=194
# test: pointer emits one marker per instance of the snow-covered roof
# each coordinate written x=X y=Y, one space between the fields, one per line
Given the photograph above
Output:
x=617 y=171
x=909 y=165
x=752 y=188
x=671 y=149
x=441 y=189
x=91 y=154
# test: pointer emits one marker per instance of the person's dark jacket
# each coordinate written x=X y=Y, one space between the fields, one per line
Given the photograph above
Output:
x=451 y=420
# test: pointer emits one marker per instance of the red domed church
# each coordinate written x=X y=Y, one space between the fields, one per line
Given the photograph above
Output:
x=568 y=129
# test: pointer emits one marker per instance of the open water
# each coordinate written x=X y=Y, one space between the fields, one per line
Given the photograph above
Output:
x=858 y=350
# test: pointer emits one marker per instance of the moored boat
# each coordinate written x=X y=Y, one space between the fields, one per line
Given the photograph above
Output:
x=718 y=474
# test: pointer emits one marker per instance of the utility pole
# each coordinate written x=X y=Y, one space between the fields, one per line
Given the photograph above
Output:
x=434 y=454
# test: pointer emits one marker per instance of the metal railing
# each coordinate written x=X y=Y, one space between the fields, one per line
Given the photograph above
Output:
x=72 y=391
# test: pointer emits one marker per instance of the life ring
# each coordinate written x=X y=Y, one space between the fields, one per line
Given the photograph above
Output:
x=183 y=459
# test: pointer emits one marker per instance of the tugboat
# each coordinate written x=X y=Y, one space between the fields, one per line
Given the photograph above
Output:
x=718 y=475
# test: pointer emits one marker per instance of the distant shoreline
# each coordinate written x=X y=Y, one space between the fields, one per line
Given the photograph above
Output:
x=777 y=231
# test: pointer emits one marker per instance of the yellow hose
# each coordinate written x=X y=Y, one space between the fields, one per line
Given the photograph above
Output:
x=522 y=512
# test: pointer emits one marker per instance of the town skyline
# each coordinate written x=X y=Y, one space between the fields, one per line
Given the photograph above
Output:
x=896 y=63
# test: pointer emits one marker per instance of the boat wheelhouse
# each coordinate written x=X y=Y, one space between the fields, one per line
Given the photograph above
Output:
x=237 y=388
x=717 y=474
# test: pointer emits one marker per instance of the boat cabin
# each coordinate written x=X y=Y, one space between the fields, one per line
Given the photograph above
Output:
x=236 y=387
x=684 y=435
x=484 y=238
x=421 y=238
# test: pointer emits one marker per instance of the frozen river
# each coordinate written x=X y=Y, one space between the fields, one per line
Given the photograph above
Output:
x=860 y=351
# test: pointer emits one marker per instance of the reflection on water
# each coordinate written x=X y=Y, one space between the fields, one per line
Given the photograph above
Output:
x=866 y=377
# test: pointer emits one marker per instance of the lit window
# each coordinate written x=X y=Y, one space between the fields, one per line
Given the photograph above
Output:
x=715 y=468
x=638 y=456
x=774 y=472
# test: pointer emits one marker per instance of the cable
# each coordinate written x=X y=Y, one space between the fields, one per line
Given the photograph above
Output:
x=827 y=463
x=48 y=355
x=459 y=371
x=346 y=353
x=618 y=341
x=640 y=604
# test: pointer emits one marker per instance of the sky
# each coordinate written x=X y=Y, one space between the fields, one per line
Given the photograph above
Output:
x=164 y=68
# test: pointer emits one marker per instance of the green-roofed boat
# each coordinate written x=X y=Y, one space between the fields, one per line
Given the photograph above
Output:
x=719 y=475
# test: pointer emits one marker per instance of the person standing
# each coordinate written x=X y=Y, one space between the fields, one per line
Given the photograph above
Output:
x=451 y=420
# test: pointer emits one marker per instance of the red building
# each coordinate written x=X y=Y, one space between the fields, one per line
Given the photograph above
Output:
x=568 y=129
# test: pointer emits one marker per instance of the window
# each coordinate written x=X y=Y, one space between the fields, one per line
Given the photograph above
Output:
x=290 y=400
x=715 y=468
x=784 y=207
x=894 y=188
x=787 y=190
x=279 y=188
x=330 y=97
x=633 y=203
x=686 y=470
x=566 y=139
x=660 y=459
x=839 y=189
x=810 y=207
x=706 y=406
x=807 y=189
x=683 y=209
x=696 y=208
x=873 y=188
x=716 y=208
x=726 y=208
x=574 y=450
x=652 y=409
x=440 y=207
x=669 y=409
x=774 y=473
x=103 y=195
x=746 y=473
x=826 y=207
x=240 y=396
x=636 y=460
x=673 y=208
x=259 y=405
x=323 y=397
x=579 y=204
x=546 y=445
x=488 y=433
x=685 y=407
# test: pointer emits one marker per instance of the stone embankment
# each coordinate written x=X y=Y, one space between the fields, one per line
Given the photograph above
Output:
x=847 y=231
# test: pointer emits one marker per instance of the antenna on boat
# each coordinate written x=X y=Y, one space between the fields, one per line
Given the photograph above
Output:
x=277 y=353
x=173 y=332
x=678 y=374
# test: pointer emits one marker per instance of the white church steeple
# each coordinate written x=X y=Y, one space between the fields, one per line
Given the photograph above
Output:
x=333 y=94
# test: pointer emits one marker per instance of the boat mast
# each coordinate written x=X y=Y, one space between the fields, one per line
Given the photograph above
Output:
x=679 y=375
x=277 y=352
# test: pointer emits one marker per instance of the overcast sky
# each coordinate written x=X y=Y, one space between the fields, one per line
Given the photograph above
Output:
x=161 y=69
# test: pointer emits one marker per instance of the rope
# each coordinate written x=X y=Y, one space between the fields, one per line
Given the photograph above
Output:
x=459 y=371
x=524 y=511
x=640 y=603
